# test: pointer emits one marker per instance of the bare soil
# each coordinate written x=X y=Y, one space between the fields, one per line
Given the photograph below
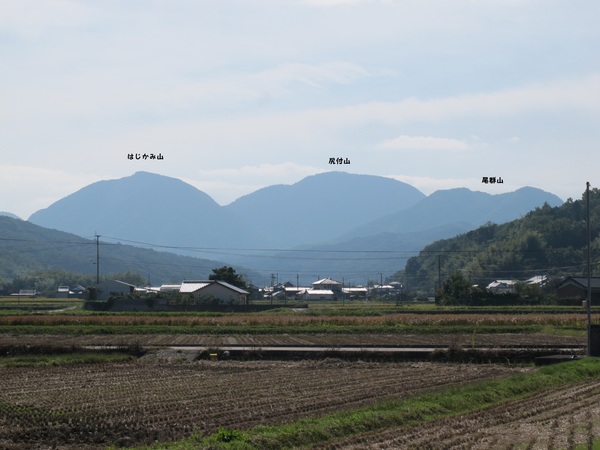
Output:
x=561 y=418
x=537 y=340
x=168 y=398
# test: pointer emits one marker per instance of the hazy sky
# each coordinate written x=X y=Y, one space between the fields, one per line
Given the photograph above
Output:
x=238 y=95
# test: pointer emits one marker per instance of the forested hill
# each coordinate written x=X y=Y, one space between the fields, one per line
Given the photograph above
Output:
x=547 y=241
x=26 y=248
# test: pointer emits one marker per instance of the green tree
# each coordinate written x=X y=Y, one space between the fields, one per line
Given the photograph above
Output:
x=456 y=290
x=228 y=275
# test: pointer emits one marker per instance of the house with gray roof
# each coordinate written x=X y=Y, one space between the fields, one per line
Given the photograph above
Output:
x=576 y=287
x=225 y=292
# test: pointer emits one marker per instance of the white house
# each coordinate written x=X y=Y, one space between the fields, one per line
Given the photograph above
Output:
x=323 y=289
x=502 y=286
x=225 y=292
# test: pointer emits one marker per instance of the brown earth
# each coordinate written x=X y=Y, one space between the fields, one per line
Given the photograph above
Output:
x=333 y=340
x=92 y=406
x=562 y=418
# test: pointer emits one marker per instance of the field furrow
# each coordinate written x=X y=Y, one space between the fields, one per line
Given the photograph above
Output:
x=125 y=404
x=561 y=418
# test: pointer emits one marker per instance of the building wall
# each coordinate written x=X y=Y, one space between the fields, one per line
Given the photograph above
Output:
x=225 y=295
x=109 y=287
x=572 y=291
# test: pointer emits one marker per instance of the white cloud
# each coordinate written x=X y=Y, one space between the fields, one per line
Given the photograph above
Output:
x=557 y=96
x=404 y=142
x=313 y=74
x=326 y=3
x=31 y=18
x=96 y=93
x=318 y=127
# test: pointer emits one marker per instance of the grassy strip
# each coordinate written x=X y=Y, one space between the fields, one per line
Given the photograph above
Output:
x=81 y=357
x=595 y=445
x=399 y=328
x=426 y=407
x=354 y=308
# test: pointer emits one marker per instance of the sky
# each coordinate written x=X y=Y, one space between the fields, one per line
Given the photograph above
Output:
x=236 y=95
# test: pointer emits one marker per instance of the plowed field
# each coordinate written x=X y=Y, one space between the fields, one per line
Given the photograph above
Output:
x=92 y=406
x=258 y=340
x=563 y=418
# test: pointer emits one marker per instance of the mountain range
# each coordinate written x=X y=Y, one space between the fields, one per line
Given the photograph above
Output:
x=331 y=224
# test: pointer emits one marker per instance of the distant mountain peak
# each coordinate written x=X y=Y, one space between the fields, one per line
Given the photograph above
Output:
x=448 y=206
x=324 y=205
x=145 y=206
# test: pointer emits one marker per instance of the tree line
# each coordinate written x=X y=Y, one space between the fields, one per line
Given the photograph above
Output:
x=549 y=241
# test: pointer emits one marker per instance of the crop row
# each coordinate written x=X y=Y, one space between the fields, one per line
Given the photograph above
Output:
x=318 y=339
x=107 y=404
x=563 y=418
x=279 y=320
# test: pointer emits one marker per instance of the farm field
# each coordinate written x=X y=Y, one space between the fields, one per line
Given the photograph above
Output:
x=497 y=340
x=563 y=418
x=168 y=395
x=127 y=404
x=292 y=323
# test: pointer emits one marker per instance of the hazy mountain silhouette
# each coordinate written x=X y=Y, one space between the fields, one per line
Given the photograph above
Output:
x=375 y=247
x=324 y=206
x=8 y=214
x=461 y=206
x=157 y=209
x=333 y=212
x=150 y=208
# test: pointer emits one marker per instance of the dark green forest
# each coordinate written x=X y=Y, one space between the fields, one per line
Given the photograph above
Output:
x=46 y=281
x=549 y=241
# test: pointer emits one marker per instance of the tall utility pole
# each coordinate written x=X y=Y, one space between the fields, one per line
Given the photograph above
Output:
x=589 y=269
x=272 y=286
x=439 y=271
x=97 y=259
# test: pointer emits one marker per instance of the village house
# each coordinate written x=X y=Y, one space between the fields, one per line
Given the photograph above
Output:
x=225 y=292
x=576 y=287
x=113 y=288
x=324 y=289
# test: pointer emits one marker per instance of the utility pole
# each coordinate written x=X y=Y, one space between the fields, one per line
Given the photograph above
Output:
x=589 y=270
x=439 y=271
x=272 y=286
x=97 y=259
